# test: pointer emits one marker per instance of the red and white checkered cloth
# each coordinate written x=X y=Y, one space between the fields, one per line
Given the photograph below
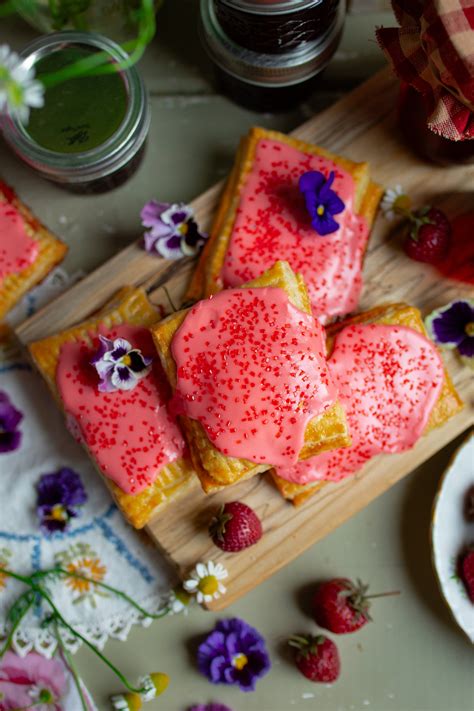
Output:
x=433 y=51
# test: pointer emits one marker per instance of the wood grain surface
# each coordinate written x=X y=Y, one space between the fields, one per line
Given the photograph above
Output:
x=361 y=126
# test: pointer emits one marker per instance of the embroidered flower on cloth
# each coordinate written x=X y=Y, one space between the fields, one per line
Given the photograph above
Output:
x=210 y=707
x=119 y=365
x=31 y=682
x=205 y=581
x=60 y=496
x=322 y=203
x=452 y=326
x=234 y=653
x=173 y=231
x=10 y=418
x=395 y=202
x=19 y=90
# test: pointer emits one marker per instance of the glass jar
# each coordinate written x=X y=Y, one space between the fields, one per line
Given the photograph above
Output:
x=413 y=115
x=276 y=26
x=90 y=134
x=267 y=81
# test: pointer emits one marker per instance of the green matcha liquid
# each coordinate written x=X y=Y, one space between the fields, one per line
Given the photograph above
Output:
x=79 y=114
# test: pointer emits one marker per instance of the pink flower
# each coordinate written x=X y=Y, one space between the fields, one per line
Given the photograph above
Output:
x=33 y=679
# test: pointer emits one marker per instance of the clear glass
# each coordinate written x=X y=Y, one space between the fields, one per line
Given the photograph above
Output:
x=81 y=170
x=412 y=116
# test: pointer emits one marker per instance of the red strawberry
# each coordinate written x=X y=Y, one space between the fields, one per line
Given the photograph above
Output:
x=235 y=527
x=429 y=237
x=342 y=606
x=317 y=658
x=466 y=571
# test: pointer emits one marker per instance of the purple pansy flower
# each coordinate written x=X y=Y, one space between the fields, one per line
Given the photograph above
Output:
x=322 y=203
x=452 y=326
x=210 y=707
x=173 y=231
x=234 y=653
x=59 y=496
x=119 y=365
x=10 y=418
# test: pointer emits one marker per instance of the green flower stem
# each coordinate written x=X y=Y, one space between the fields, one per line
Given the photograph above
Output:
x=18 y=620
x=91 y=646
x=72 y=667
x=100 y=63
x=36 y=588
x=119 y=593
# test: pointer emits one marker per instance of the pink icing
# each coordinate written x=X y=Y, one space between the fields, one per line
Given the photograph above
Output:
x=272 y=223
x=389 y=379
x=251 y=368
x=129 y=433
x=17 y=250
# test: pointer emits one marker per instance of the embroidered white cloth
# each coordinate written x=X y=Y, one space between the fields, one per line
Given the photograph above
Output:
x=98 y=543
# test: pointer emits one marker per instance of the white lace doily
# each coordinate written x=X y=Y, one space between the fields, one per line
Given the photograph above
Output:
x=98 y=543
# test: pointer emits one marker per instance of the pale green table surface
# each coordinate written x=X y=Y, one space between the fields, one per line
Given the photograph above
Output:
x=412 y=657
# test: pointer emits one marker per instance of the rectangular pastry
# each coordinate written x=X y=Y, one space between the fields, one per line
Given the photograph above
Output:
x=394 y=387
x=90 y=369
x=250 y=381
x=320 y=224
x=28 y=251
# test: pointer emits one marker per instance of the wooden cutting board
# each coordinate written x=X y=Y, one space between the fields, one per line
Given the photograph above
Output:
x=361 y=126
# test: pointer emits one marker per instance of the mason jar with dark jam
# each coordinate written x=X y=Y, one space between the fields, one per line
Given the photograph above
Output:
x=413 y=116
x=269 y=56
x=89 y=136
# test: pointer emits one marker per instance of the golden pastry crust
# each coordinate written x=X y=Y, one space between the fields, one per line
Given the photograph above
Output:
x=328 y=431
x=51 y=252
x=448 y=404
x=206 y=278
x=130 y=306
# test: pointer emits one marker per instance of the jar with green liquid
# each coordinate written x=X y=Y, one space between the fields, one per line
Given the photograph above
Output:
x=90 y=134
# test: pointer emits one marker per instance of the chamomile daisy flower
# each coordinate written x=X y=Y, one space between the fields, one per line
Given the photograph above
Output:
x=178 y=601
x=205 y=581
x=19 y=90
x=395 y=202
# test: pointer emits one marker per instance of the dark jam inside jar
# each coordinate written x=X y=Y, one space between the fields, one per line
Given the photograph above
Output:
x=79 y=114
x=413 y=115
x=261 y=29
x=112 y=180
x=264 y=98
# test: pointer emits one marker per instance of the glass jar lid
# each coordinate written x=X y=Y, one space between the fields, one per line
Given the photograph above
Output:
x=270 y=7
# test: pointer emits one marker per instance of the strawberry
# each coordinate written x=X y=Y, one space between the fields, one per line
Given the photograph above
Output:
x=429 y=237
x=317 y=658
x=235 y=527
x=342 y=606
x=466 y=571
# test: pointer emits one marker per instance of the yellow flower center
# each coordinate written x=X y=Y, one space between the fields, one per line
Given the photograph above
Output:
x=208 y=585
x=402 y=202
x=183 y=228
x=239 y=661
x=58 y=513
x=320 y=210
x=126 y=360
x=469 y=329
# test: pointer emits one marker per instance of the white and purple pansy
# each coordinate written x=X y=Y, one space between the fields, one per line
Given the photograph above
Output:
x=173 y=232
x=452 y=326
x=119 y=365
